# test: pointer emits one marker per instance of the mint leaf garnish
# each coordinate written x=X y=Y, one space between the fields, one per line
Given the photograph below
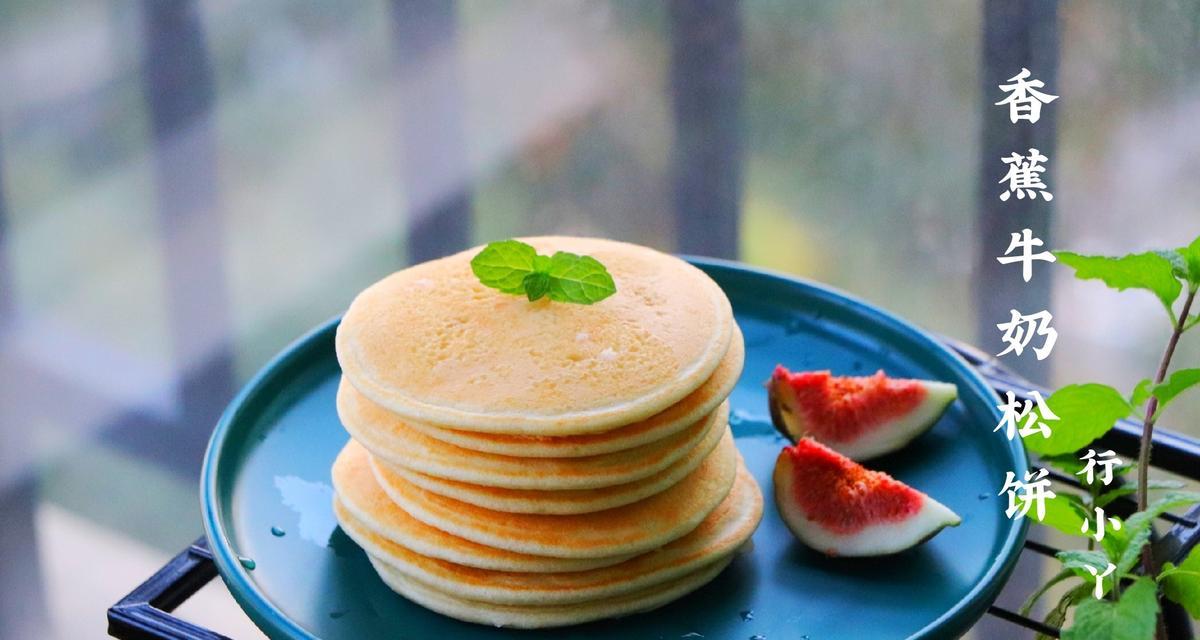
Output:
x=512 y=266
x=579 y=279
x=504 y=265
x=536 y=284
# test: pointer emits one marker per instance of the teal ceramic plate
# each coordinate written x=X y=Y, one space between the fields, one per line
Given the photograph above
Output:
x=267 y=473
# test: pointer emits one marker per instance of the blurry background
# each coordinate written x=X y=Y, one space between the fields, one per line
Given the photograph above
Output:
x=187 y=186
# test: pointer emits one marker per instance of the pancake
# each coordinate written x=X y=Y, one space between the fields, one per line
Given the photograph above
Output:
x=678 y=416
x=392 y=441
x=716 y=538
x=633 y=528
x=571 y=501
x=535 y=617
x=434 y=345
x=360 y=499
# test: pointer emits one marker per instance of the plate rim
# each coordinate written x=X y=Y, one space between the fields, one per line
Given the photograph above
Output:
x=275 y=623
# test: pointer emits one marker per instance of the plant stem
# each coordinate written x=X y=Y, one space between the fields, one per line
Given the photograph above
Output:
x=1180 y=324
x=1148 y=422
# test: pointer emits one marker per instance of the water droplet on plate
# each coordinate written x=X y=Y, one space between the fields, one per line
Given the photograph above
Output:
x=984 y=496
x=277 y=532
x=310 y=500
x=747 y=615
x=247 y=562
x=692 y=634
x=337 y=614
x=758 y=636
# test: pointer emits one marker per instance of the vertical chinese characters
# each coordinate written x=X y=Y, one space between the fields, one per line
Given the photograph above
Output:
x=1024 y=100
x=1028 y=415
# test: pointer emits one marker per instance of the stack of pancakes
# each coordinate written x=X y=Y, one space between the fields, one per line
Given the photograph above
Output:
x=534 y=464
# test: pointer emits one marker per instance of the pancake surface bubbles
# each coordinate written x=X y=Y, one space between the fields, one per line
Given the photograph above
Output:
x=434 y=345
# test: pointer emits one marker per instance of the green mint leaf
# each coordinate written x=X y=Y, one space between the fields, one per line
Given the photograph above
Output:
x=1068 y=463
x=1182 y=583
x=1149 y=271
x=504 y=265
x=1065 y=512
x=536 y=284
x=1106 y=498
x=1079 y=559
x=512 y=266
x=1169 y=389
x=1133 y=617
x=1179 y=265
x=1141 y=393
x=1085 y=412
x=1137 y=527
x=1191 y=255
x=579 y=279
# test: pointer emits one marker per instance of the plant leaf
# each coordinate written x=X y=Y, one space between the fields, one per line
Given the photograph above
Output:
x=1180 y=381
x=1114 y=541
x=1149 y=271
x=579 y=279
x=1191 y=255
x=1106 y=498
x=1085 y=412
x=504 y=265
x=1179 y=265
x=1133 y=617
x=1065 y=512
x=515 y=267
x=1068 y=463
x=536 y=284
x=1182 y=584
x=1141 y=393
x=1138 y=526
x=1079 y=559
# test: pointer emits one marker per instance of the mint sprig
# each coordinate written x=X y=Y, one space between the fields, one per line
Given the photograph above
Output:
x=1129 y=604
x=511 y=266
